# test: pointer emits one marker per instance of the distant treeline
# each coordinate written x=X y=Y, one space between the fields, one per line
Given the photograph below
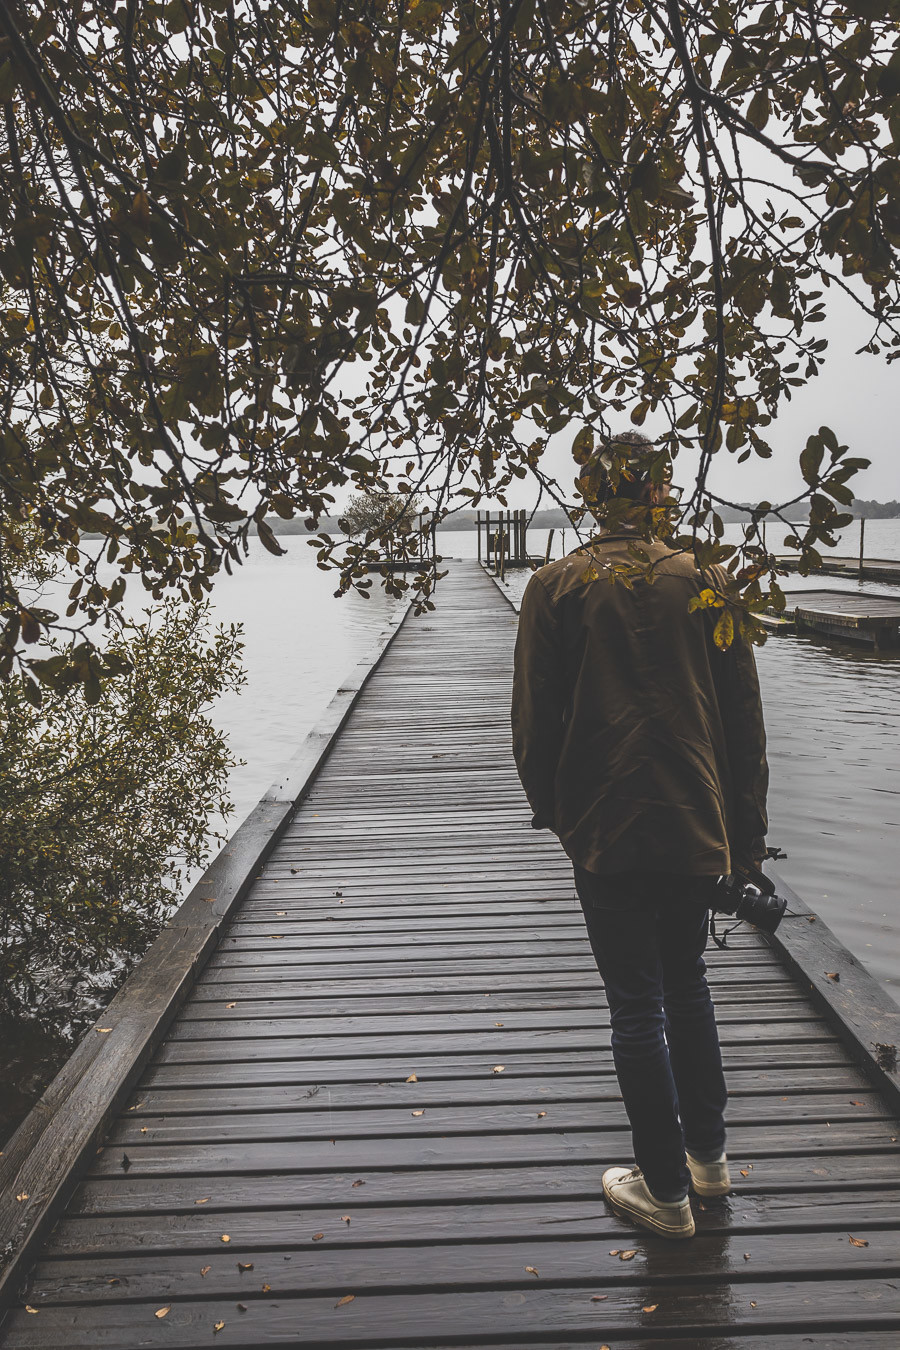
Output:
x=554 y=518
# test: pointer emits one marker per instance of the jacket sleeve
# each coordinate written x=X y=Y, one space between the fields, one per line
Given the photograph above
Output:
x=745 y=736
x=538 y=702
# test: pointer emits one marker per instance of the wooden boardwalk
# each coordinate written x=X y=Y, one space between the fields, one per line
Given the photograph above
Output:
x=381 y=1117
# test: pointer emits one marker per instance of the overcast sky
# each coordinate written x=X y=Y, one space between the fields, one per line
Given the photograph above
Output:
x=857 y=396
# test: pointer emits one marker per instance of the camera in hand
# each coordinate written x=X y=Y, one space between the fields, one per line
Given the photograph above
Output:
x=750 y=896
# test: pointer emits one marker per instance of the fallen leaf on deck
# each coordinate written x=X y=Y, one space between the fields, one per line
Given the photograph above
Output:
x=345 y=1218
x=29 y=1309
x=498 y=1024
x=230 y=1005
x=853 y=1103
x=358 y=1182
x=614 y=1251
x=125 y=1163
x=599 y=1298
x=218 y=1327
x=280 y=913
x=115 y=1280
x=541 y=1114
x=204 y=1200
x=752 y=1304
x=103 y=1030
x=245 y=1265
x=651 y=1307
x=241 y=1307
x=498 y=1068
x=418 y=1113
x=23 y=1195
x=276 y=937
x=205 y=1271
x=225 y=1238
x=412 y=1078
x=266 y=1288
x=746 y=1256
x=161 y=1312
x=209 y=899
x=531 y=1270
x=144 y=1129
x=627 y=1256
x=317 y=1237
x=833 y=975
x=858 y=1242
x=745 y=1172
x=348 y=1298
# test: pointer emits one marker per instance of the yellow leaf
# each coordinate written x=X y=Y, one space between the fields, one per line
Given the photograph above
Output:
x=723 y=633
x=651 y=1307
x=348 y=1298
x=541 y=1114
x=266 y=1288
x=359 y=1182
x=218 y=1327
x=103 y=1031
x=29 y=1309
x=205 y=1271
x=412 y=1078
x=418 y=1113
x=161 y=1312
x=599 y=1298
x=23 y=1195
x=225 y=1237
x=858 y=1242
x=627 y=1256
x=531 y=1270
x=245 y=1265
x=498 y=1024
x=498 y=1068
x=204 y=1200
x=230 y=1005
x=345 y=1218
x=317 y=1237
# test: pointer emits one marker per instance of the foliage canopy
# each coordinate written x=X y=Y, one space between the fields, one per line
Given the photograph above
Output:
x=255 y=251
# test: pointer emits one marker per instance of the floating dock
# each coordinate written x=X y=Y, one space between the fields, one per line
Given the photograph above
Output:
x=855 y=617
x=360 y=1092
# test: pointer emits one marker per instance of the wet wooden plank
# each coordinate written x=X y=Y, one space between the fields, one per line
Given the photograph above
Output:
x=288 y=1228
x=434 y=1149
x=530 y=1315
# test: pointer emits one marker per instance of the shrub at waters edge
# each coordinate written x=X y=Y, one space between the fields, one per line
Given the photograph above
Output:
x=104 y=808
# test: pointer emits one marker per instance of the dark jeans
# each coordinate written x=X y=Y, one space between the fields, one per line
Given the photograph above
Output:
x=648 y=934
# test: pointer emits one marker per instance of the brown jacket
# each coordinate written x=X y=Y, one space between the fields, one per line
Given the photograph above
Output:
x=638 y=741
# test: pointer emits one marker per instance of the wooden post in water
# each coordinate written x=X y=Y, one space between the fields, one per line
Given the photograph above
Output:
x=862 y=544
x=548 y=548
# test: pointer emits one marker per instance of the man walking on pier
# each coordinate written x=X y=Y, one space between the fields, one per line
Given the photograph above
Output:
x=641 y=745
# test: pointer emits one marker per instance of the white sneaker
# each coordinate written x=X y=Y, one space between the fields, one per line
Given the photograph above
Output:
x=630 y=1197
x=710 y=1178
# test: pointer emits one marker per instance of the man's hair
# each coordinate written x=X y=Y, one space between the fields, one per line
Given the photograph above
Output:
x=619 y=468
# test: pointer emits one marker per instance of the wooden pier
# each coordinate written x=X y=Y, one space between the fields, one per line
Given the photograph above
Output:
x=373 y=1101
